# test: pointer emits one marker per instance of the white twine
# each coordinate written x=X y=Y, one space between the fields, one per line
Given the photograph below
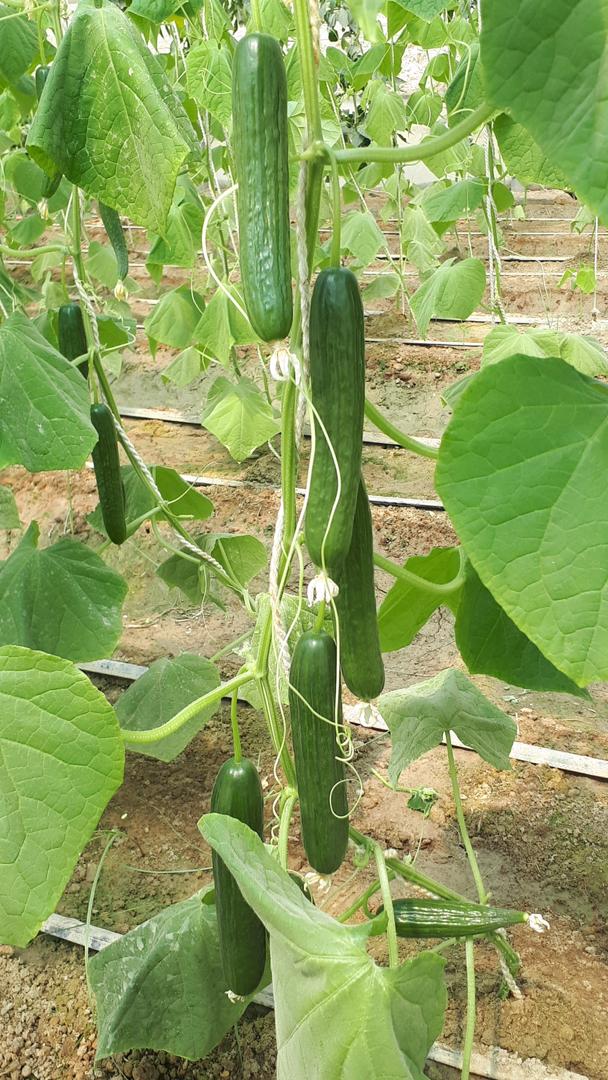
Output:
x=494 y=261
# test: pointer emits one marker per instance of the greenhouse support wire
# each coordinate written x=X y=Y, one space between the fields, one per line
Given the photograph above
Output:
x=495 y=1064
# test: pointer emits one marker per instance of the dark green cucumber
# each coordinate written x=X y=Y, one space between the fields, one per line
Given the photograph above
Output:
x=52 y=182
x=107 y=474
x=360 y=655
x=302 y=885
x=337 y=383
x=42 y=74
x=447 y=919
x=71 y=335
x=315 y=705
x=113 y=226
x=260 y=142
x=237 y=792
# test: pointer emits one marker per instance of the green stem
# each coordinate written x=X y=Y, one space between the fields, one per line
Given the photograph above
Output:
x=170 y=727
x=435 y=144
x=467 y=1048
x=291 y=798
x=361 y=902
x=32 y=253
x=320 y=619
x=231 y=646
x=387 y=899
x=408 y=442
x=256 y=16
x=462 y=825
x=236 y=735
x=288 y=467
x=433 y=587
x=336 y=235
x=308 y=68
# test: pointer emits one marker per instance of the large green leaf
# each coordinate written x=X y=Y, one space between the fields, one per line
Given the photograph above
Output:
x=167 y=686
x=452 y=292
x=406 y=608
x=523 y=156
x=18 y=45
x=108 y=118
x=521 y=471
x=447 y=203
x=419 y=716
x=239 y=415
x=62 y=599
x=44 y=419
x=62 y=760
x=584 y=353
x=337 y=1013
x=543 y=62
x=161 y=986
x=491 y=644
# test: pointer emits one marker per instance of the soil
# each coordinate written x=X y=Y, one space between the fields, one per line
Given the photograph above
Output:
x=541 y=835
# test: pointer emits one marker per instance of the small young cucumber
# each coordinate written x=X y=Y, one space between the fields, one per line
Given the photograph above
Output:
x=237 y=792
x=337 y=384
x=114 y=231
x=360 y=656
x=71 y=335
x=260 y=144
x=107 y=474
x=449 y=919
x=315 y=708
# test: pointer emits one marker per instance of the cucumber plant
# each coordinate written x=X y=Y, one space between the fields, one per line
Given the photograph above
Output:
x=518 y=469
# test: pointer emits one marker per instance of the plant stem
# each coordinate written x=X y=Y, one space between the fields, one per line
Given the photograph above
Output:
x=435 y=144
x=32 y=253
x=170 y=727
x=276 y=734
x=467 y=1047
x=291 y=797
x=308 y=68
x=336 y=227
x=385 y=887
x=402 y=574
x=320 y=619
x=462 y=825
x=288 y=467
x=408 y=442
x=361 y=902
x=256 y=15
x=230 y=647
x=236 y=735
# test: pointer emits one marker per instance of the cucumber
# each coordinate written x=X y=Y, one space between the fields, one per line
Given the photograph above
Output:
x=447 y=919
x=107 y=474
x=237 y=792
x=260 y=143
x=71 y=335
x=337 y=384
x=302 y=886
x=51 y=183
x=313 y=694
x=360 y=655
x=113 y=226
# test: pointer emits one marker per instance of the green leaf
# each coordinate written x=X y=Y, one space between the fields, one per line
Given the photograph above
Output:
x=382 y=287
x=177 y=949
x=582 y=278
x=185 y=367
x=209 y=78
x=27 y=178
x=62 y=599
x=108 y=118
x=167 y=686
x=115 y=332
x=239 y=415
x=28 y=230
x=421 y=244
x=241 y=556
x=101 y=264
x=419 y=716
x=366 y=14
x=173 y=321
x=9 y=514
x=490 y=644
x=361 y=235
x=18 y=45
x=156 y=11
x=519 y=471
x=583 y=353
x=45 y=416
x=452 y=292
x=382 y=1020
x=441 y=203
x=386 y=115
x=276 y=19
x=62 y=760
x=221 y=327
x=523 y=157
x=182 y=237
x=465 y=91
x=182 y=574
x=406 y=608
x=543 y=61
x=427 y=9
x=184 y=500
x=423 y=107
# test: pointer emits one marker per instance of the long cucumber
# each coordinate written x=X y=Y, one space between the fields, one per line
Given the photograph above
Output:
x=106 y=463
